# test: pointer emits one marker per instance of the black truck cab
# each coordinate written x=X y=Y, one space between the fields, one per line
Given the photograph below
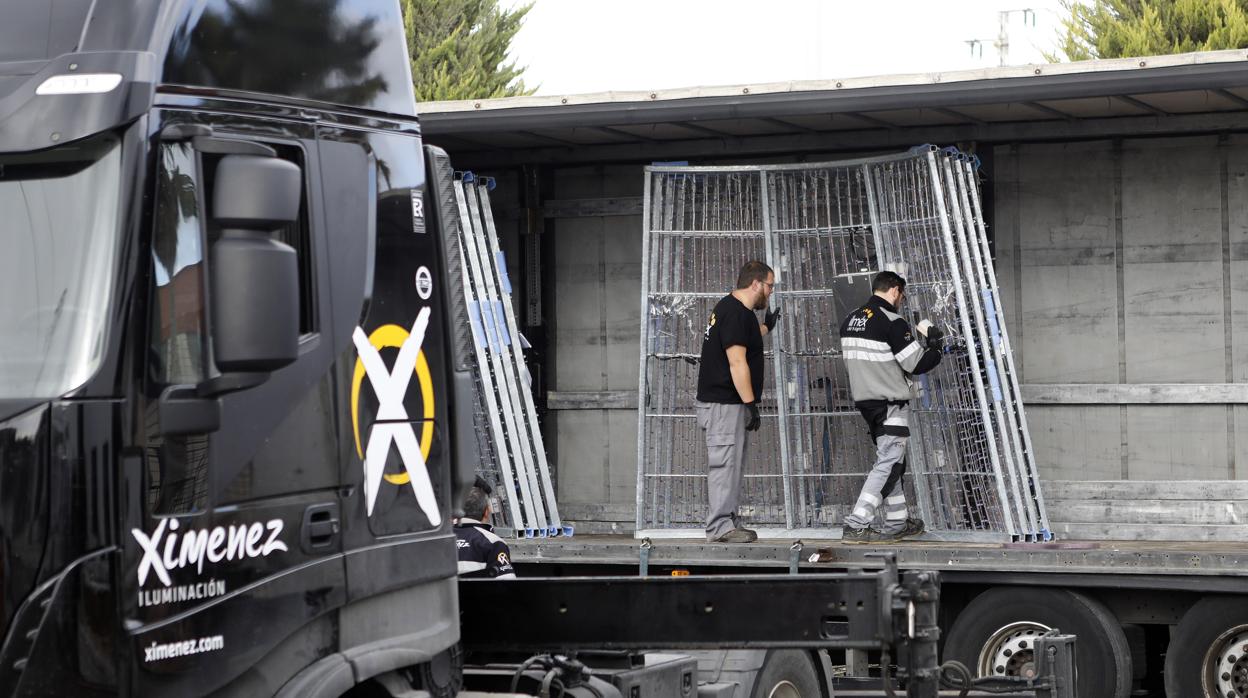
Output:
x=225 y=392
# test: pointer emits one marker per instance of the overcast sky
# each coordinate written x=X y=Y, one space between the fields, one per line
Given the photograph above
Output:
x=577 y=46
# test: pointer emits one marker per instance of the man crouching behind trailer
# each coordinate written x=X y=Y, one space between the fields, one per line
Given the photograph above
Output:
x=481 y=552
x=880 y=355
x=730 y=384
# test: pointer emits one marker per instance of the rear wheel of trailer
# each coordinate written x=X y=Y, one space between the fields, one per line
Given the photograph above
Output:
x=1208 y=651
x=995 y=633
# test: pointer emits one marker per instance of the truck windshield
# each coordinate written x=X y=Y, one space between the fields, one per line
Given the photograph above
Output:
x=58 y=245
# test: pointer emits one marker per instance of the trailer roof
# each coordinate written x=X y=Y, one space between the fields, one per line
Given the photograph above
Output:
x=1206 y=91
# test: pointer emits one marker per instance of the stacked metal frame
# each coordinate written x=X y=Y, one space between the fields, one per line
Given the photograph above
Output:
x=819 y=226
x=477 y=448
x=954 y=452
x=1002 y=376
x=506 y=396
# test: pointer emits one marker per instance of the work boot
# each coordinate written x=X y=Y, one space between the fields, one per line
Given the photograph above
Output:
x=913 y=528
x=737 y=535
x=859 y=536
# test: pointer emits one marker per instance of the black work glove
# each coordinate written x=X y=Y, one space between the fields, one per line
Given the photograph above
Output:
x=935 y=338
x=751 y=423
x=770 y=318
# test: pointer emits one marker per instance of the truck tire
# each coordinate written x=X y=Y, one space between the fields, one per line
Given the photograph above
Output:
x=787 y=674
x=993 y=636
x=1206 y=654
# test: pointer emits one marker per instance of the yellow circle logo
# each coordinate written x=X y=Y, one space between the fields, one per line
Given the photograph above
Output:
x=393 y=336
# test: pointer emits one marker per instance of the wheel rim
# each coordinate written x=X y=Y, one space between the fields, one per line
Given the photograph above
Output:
x=1226 y=664
x=784 y=689
x=1010 y=651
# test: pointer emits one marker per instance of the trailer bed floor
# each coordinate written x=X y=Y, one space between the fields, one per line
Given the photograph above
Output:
x=1071 y=557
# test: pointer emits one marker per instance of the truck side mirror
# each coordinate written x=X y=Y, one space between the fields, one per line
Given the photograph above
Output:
x=254 y=278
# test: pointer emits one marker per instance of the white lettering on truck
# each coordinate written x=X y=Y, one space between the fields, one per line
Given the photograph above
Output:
x=239 y=541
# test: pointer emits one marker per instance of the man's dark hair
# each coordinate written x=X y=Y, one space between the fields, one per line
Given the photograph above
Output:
x=475 y=503
x=753 y=270
x=887 y=281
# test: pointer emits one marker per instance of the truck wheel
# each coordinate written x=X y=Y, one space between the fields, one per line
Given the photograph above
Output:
x=995 y=636
x=1208 y=651
x=787 y=674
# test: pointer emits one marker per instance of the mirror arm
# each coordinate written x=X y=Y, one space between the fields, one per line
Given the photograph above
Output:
x=183 y=410
x=204 y=139
x=230 y=383
x=217 y=145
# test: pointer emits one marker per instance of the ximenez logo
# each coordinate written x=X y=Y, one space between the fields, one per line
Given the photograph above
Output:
x=162 y=554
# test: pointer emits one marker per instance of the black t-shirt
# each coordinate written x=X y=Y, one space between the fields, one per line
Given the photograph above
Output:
x=730 y=324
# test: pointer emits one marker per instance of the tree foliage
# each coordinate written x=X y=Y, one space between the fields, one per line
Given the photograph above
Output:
x=459 y=49
x=1120 y=28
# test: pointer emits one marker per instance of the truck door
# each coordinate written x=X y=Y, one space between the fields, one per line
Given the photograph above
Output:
x=234 y=545
x=388 y=301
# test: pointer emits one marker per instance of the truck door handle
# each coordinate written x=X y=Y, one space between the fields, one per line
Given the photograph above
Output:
x=320 y=527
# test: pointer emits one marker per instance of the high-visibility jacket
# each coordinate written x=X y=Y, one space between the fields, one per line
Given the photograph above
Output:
x=881 y=353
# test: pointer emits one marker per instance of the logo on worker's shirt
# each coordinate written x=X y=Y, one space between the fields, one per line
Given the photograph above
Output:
x=858 y=323
x=392 y=423
x=502 y=560
x=709 y=324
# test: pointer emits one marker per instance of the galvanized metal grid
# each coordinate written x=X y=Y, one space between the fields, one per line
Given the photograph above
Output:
x=698 y=220
x=973 y=475
x=505 y=410
x=820 y=229
x=954 y=454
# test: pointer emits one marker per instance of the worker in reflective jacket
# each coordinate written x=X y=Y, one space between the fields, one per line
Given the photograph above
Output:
x=881 y=353
x=482 y=553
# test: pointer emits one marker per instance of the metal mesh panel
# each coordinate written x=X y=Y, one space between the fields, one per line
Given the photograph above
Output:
x=700 y=225
x=953 y=454
x=504 y=415
x=446 y=213
x=820 y=226
x=820 y=230
x=1011 y=396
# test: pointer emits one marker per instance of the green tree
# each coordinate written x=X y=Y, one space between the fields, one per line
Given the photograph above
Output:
x=459 y=49
x=1119 y=28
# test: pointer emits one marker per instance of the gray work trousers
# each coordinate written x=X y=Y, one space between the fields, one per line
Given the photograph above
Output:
x=883 y=485
x=725 y=452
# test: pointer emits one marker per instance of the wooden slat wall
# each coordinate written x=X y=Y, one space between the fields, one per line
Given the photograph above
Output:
x=1156 y=510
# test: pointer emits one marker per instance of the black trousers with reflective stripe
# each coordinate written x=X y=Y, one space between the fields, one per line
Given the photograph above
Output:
x=875 y=412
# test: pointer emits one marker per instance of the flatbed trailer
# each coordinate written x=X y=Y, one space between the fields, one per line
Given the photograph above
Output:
x=1125 y=600
x=1202 y=567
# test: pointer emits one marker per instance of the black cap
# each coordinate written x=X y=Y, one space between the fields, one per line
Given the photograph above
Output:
x=482 y=485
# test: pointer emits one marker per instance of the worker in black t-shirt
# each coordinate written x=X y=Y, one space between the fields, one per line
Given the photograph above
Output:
x=730 y=384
